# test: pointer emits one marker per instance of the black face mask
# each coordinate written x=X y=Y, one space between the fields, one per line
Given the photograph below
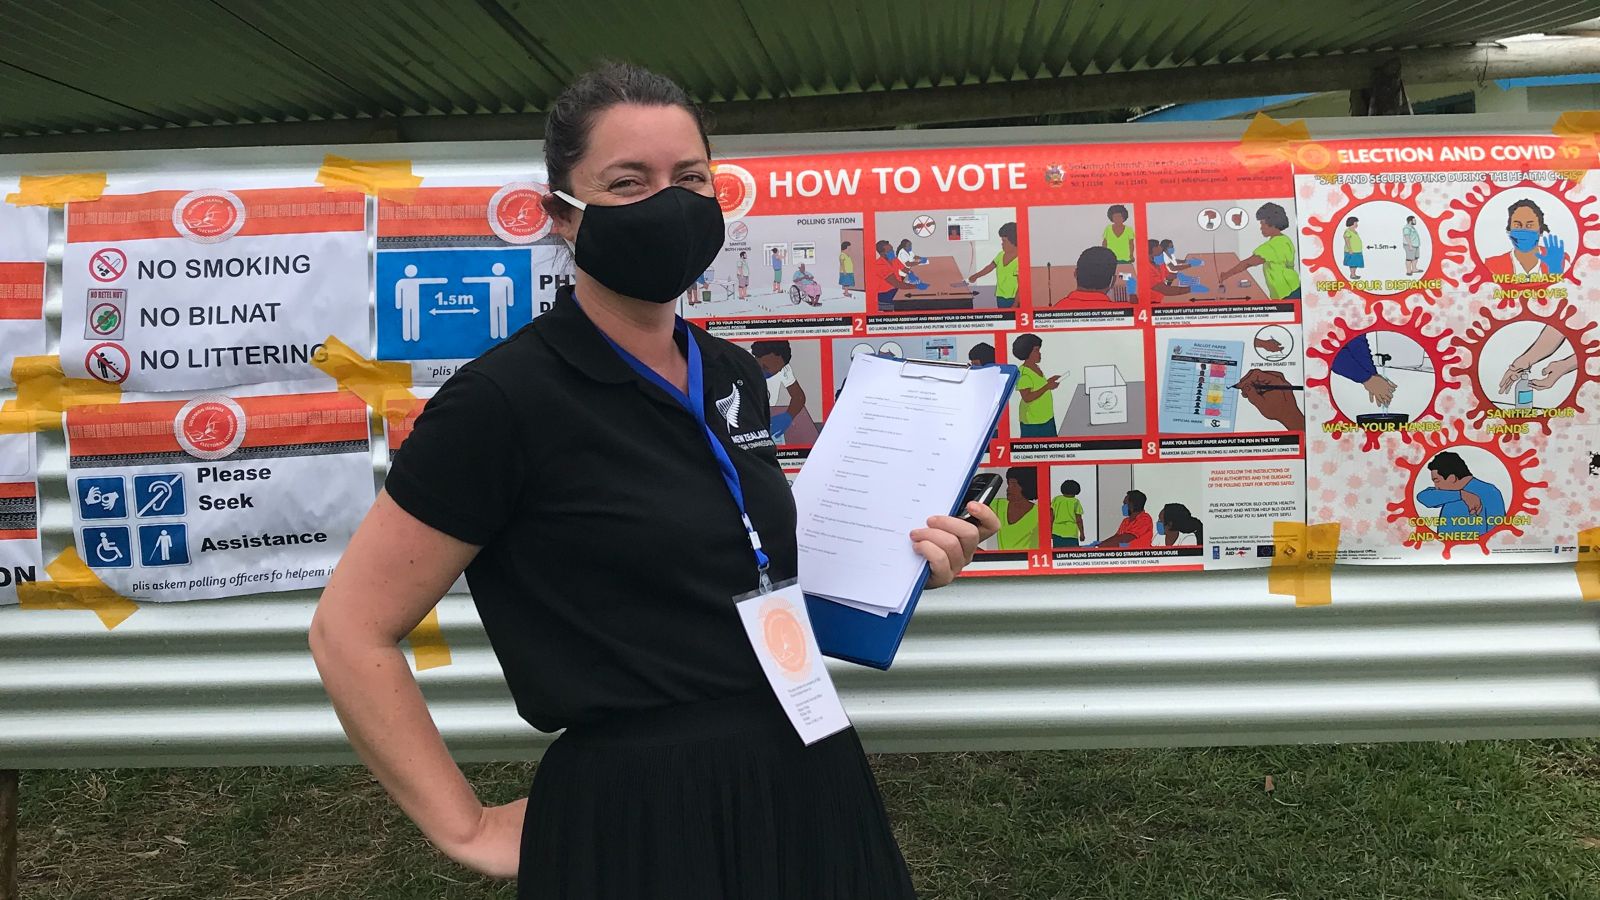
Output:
x=653 y=249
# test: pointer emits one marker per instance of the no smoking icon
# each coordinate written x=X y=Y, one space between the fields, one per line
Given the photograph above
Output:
x=108 y=264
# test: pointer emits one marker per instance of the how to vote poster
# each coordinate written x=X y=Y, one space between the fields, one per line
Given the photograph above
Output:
x=189 y=290
x=459 y=269
x=218 y=495
x=23 y=241
x=19 y=515
x=1453 y=295
x=1151 y=293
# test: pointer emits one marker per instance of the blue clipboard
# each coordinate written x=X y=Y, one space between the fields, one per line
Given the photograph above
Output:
x=866 y=639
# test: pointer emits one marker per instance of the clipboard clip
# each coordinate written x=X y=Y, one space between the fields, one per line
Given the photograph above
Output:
x=937 y=369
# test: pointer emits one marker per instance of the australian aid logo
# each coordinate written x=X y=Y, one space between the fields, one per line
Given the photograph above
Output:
x=212 y=287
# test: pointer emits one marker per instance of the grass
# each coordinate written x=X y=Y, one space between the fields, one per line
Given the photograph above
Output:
x=1476 y=820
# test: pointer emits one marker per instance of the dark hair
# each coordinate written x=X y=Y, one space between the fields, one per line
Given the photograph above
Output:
x=1136 y=501
x=1097 y=266
x=1027 y=478
x=1155 y=249
x=905 y=244
x=1411 y=218
x=983 y=353
x=1178 y=518
x=744 y=253
x=572 y=115
x=1274 y=216
x=1450 y=464
x=1117 y=208
x=1526 y=204
x=1350 y=221
x=1070 y=488
x=779 y=348
x=845 y=246
x=1024 y=345
x=1008 y=231
x=878 y=247
x=774 y=251
x=1167 y=244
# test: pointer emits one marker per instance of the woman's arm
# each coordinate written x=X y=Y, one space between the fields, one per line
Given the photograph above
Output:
x=980 y=273
x=797 y=399
x=393 y=572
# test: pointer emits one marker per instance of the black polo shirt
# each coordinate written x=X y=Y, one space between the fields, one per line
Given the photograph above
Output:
x=612 y=549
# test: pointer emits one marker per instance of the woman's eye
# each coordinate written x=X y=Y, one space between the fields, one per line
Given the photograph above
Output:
x=626 y=184
x=695 y=177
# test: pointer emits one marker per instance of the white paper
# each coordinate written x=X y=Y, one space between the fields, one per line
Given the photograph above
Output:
x=19 y=515
x=780 y=632
x=898 y=448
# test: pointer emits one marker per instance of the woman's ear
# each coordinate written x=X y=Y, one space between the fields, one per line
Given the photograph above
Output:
x=563 y=217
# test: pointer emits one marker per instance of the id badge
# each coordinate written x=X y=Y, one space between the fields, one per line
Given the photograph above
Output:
x=779 y=630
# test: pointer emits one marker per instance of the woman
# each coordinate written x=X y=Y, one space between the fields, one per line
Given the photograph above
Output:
x=1275 y=256
x=1355 y=255
x=1536 y=255
x=1017 y=510
x=1036 y=410
x=847 y=268
x=777 y=271
x=557 y=470
x=1118 y=237
x=907 y=255
x=742 y=271
x=1175 y=521
x=1005 y=267
x=1066 y=516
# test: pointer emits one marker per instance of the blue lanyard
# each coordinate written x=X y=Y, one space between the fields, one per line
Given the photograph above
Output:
x=694 y=402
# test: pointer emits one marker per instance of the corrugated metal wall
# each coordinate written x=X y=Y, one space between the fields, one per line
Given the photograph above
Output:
x=1084 y=661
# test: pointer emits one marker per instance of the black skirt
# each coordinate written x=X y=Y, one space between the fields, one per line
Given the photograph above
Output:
x=707 y=801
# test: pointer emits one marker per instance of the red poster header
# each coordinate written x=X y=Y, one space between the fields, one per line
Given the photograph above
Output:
x=215 y=215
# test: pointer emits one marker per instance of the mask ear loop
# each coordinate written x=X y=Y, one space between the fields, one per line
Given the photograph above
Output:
x=571 y=199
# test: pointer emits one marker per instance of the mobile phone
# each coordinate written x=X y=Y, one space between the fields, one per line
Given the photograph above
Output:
x=985 y=486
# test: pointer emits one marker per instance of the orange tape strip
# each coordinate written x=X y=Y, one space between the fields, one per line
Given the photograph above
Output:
x=1302 y=562
x=1588 y=565
x=44 y=392
x=385 y=386
x=427 y=643
x=73 y=585
x=58 y=190
x=1269 y=142
x=390 y=179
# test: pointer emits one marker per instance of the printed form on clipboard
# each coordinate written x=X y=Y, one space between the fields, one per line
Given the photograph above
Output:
x=900 y=445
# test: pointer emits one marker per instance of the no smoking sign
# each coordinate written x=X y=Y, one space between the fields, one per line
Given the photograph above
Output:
x=107 y=264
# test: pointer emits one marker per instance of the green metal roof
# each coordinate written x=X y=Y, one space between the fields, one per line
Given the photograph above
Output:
x=75 y=66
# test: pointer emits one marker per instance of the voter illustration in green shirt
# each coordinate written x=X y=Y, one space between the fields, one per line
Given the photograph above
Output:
x=1018 y=510
x=1066 y=516
x=1118 y=236
x=1036 y=410
x=1276 y=255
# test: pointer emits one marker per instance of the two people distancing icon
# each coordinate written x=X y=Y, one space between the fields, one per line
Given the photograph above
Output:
x=408 y=300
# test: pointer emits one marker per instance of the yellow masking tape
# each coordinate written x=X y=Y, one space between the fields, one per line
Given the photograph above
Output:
x=385 y=386
x=1269 y=142
x=1581 y=126
x=1302 y=562
x=57 y=190
x=44 y=392
x=73 y=585
x=1589 y=563
x=428 y=644
x=390 y=179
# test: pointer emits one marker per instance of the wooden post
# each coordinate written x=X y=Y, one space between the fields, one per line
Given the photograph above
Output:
x=9 y=787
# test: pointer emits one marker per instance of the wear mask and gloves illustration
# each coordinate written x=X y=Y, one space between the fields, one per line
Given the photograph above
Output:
x=1550 y=249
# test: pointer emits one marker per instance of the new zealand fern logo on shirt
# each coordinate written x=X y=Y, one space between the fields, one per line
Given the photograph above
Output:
x=730 y=408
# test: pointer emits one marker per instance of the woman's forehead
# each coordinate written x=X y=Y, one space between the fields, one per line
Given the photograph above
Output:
x=636 y=136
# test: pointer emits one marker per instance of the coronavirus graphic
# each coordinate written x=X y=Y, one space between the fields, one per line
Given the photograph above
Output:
x=1560 y=215
x=1387 y=200
x=1454 y=524
x=1558 y=339
x=1439 y=367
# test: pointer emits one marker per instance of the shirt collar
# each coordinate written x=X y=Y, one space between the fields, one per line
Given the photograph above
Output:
x=567 y=329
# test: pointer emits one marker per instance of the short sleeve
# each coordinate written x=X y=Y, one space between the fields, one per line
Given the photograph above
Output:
x=462 y=469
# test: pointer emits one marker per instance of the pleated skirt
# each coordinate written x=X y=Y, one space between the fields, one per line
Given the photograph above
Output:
x=710 y=801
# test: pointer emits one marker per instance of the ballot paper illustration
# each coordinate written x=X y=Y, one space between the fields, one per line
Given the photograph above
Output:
x=1107 y=391
x=1198 y=395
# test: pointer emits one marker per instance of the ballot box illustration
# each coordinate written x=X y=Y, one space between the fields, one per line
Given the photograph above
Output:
x=1108 y=395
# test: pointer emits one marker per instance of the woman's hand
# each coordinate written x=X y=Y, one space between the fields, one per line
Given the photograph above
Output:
x=495 y=847
x=948 y=542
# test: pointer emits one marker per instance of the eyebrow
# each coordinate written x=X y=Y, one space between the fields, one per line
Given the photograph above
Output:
x=634 y=165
